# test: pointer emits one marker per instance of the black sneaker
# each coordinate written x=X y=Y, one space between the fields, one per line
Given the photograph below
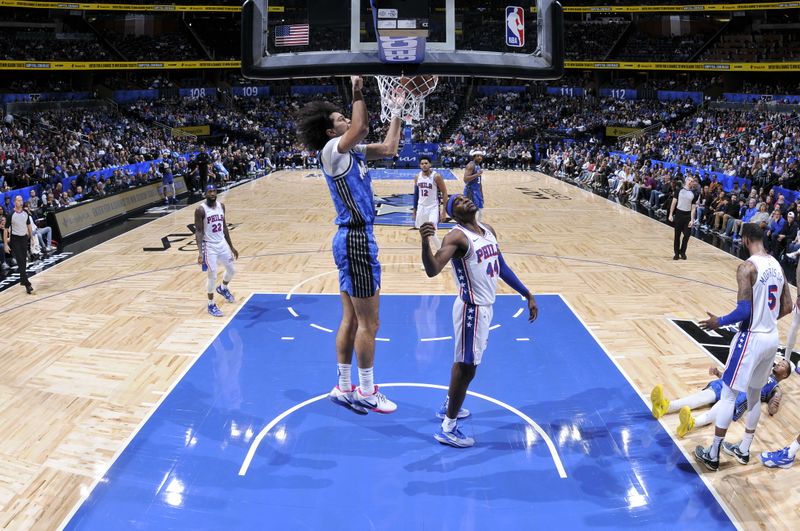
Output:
x=701 y=454
x=683 y=257
x=733 y=449
x=29 y=289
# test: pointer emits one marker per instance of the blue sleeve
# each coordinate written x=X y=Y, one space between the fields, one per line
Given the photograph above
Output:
x=510 y=278
x=416 y=196
x=741 y=313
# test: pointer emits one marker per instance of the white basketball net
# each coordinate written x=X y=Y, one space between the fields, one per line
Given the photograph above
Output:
x=403 y=97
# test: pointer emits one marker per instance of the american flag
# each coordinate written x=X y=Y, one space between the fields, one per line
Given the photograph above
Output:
x=291 y=35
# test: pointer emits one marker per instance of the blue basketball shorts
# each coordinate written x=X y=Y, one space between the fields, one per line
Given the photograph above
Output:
x=476 y=196
x=355 y=252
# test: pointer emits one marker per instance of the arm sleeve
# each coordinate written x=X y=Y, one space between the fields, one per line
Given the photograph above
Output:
x=742 y=312
x=510 y=278
x=416 y=196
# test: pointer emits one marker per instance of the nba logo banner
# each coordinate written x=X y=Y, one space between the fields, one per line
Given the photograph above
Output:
x=515 y=26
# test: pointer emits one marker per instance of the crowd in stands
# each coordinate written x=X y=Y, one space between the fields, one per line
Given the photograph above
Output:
x=755 y=46
x=644 y=46
x=500 y=121
x=778 y=87
x=652 y=186
x=24 y=46
x=591 y=41
x=754 y=144
x=173 y=46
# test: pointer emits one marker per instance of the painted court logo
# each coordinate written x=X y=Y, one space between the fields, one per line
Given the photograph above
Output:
x=395 y=210
x=716 y=343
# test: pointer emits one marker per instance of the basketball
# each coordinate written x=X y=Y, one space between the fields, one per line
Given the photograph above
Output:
x=419 y=85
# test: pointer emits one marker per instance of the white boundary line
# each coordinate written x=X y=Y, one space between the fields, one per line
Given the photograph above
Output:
x=444 y=338
x=152 y=411
x=689 y=458
x=251 y=452
x=318 y=327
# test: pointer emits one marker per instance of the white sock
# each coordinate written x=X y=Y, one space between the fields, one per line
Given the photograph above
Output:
x=744 y=446
x=365 y=381
x=713 y=452
x=703 y=419
x=793 y=448
x=344 y=376
x=448 y=424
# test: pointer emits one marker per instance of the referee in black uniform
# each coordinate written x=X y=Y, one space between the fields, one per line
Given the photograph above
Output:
x=21 y=229
x=681 y=214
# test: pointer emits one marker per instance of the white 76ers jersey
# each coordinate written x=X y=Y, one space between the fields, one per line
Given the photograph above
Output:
x=767 y=292
x=477 y=272
x=428 y=192
x=214 y=227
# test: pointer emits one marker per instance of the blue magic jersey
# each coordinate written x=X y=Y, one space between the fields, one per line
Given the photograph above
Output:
x=475 y=184
x=767 y=392
x=349 y=183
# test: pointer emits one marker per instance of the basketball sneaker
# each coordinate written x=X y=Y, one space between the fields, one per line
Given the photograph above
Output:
x=225 y=292
x=454 y=438
x=733 y=449
x=376 y=402
x=702 y=456
x=686 y=422
x=660 y=404
x=442 y=413
x=214 y=310
x=777 y=459
x=346 y=399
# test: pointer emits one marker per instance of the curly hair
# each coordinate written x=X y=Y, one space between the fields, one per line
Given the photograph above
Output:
x=312 y=122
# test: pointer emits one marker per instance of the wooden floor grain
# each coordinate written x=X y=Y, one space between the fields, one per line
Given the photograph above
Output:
x=110 y=331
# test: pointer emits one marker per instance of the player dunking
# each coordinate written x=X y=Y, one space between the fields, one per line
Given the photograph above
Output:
x=473 y=188
x=214 y=243
x=477 y=263
x=763 y=298
x=343 y=156
x=428 y=184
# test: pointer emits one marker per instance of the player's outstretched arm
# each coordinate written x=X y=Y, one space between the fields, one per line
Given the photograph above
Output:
x=745 y=277
x=390 y=144
x=199 y=229
x=359 y=120
x=454 y=245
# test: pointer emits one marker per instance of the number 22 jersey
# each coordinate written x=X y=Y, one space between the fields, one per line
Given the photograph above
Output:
x=214 y=228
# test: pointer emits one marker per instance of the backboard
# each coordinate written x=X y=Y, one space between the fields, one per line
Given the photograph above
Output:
x=285 y=39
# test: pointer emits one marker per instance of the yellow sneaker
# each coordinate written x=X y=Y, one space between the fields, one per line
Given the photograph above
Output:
x=686 y=421
x=660 y=404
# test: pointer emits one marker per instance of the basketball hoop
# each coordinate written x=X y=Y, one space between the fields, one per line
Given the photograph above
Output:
x=402 y=96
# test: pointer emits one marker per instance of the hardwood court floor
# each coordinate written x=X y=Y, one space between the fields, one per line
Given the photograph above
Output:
x=110 y=331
